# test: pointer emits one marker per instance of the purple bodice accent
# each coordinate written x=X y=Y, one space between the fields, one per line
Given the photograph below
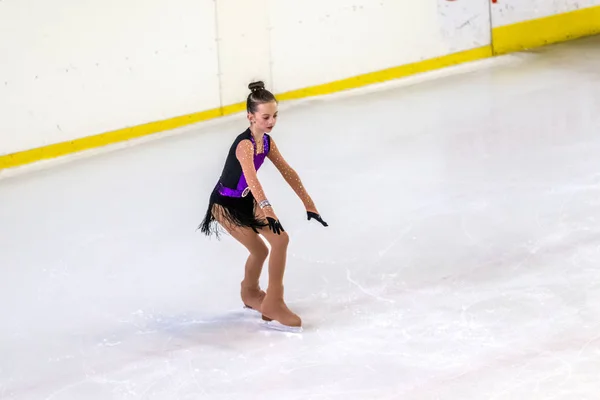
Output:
x=242 y=187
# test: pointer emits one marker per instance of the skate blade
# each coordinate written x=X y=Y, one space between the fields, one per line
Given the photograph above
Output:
x=277 y=326
x=246 y=307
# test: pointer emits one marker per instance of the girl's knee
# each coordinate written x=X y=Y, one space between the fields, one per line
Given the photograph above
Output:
x=261 y=252
x=282 y=240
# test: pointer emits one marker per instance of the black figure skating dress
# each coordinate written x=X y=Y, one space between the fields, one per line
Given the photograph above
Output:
x=232 y=192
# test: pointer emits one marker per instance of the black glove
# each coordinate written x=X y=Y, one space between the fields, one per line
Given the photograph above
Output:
x=317 y=217
x=275 y=225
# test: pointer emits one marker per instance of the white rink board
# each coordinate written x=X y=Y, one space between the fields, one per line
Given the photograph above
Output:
x=507 y=12
x=75 y=68
x=243 y=47
x=316 y=42
x=80 y=68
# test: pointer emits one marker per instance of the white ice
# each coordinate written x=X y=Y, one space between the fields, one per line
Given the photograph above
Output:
x=462 y=259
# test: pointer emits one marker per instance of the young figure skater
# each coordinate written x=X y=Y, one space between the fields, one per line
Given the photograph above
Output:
x=238 y=203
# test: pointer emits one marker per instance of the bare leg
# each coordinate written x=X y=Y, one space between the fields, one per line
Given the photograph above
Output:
x=251 y=294
x=273 y=306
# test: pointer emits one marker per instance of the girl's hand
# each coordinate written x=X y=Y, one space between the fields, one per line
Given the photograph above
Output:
x=315 y=215
x=275 y=226
x=274 y=223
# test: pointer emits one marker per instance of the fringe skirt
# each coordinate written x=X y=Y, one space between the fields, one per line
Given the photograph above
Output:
x=236 y=211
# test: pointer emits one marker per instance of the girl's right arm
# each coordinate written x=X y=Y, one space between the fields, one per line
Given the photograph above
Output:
x=245 y=155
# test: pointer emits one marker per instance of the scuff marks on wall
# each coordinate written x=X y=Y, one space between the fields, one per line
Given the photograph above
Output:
x=464 y=24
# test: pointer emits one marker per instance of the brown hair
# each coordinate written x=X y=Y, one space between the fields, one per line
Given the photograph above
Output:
x=258 y=95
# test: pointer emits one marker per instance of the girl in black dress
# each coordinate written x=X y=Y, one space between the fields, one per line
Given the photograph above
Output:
x=238 y=203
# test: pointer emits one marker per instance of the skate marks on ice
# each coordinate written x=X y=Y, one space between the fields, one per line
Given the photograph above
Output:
x=514 y=316
x=201 y=328
x=148 y=355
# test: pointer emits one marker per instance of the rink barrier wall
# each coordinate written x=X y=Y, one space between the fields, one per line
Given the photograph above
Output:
x=121 y=135
x=73 y=69
x=505 y=39
x=544 y=31
x=103 y=139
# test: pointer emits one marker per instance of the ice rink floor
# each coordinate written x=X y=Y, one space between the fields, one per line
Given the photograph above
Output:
x=462 y=259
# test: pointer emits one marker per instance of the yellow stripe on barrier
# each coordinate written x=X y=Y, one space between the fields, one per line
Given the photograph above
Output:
x=103 y=139
x=544 y=31
x=390 y=74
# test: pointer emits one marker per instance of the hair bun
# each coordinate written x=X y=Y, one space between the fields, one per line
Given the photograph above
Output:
x=254 y=86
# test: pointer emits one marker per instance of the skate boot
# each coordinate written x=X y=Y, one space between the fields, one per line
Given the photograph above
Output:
x=276 y=314
x=252 y=297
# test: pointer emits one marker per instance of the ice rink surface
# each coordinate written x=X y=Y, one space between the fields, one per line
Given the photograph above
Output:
x=462 y=259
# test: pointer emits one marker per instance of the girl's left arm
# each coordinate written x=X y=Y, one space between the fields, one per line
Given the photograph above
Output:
x=291 y=177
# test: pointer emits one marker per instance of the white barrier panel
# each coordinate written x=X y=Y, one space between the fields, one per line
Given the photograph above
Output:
x=244 y=47
x=315 y=42
x=75 y=68
x=507 y=12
